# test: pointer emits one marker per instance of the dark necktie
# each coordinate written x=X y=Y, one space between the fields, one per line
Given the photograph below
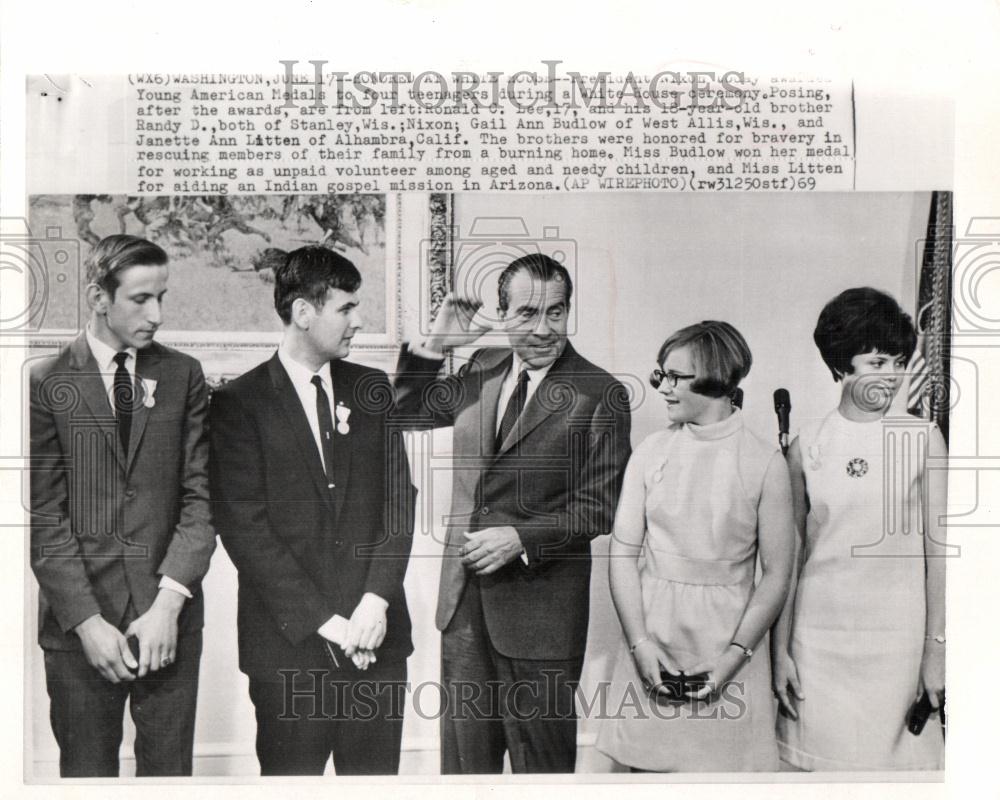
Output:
x=124 y=399
x=514 y=408
x=325 y=427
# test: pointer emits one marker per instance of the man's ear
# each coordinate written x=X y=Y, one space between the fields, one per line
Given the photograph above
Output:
x=302 y=313
x=97 y=298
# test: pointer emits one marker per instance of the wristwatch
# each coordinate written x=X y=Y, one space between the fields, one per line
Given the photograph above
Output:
x=746 y=650
x=939 y=638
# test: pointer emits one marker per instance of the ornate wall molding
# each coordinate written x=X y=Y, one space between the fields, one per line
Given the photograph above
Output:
x=440 y=256
x=440 y=252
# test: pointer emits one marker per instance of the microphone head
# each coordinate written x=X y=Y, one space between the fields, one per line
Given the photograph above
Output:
x=782 y=400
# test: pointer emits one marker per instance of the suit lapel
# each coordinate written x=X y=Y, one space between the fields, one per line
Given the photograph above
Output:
x=93 y=393
x=147 y=366
x=536 y=412
x=493 y=379
x=295 y=417
x=342 y=442
x=475 y=441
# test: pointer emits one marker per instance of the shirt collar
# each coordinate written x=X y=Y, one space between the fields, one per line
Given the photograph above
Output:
x=300 y=374
x=105 y=355
x=535 y=374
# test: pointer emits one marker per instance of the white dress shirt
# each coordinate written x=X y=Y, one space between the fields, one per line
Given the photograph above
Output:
x=301 y=377
x=105 y=358
x=106 y=365
x=535 y=377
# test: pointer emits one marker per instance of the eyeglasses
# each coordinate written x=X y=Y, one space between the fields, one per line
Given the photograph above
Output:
x=658 y=376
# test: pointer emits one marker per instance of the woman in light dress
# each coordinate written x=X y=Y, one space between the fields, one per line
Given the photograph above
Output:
x=862 y=636
x=704 y=502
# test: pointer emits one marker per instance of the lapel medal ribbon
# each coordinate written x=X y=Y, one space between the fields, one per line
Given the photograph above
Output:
x=343 y=413
x=148 y=392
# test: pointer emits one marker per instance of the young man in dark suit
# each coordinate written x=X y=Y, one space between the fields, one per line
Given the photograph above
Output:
x=120 y=529
x=541 y=440
x=314 y=505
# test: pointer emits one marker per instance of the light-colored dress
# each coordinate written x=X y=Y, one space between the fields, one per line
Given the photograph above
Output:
x=696 y=491
x=859 y=617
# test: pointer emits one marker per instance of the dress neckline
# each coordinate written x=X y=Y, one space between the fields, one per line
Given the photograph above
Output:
x=716 y=430
x=847 y=421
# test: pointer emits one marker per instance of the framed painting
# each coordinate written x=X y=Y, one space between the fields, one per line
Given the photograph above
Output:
x=223 y=250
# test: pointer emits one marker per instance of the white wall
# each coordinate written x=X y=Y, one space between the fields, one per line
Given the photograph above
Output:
x=647 y=265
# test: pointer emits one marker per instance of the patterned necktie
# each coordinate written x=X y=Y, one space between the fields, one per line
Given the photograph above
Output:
x=325 y=427
x=124 y=395
x=514 y=408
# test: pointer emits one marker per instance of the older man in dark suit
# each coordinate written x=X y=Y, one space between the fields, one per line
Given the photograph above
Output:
x=120 y=529
x=314 y=505
x=541 y=438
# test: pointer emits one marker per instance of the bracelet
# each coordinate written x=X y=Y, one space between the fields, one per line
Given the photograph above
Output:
x=746 y=650
x=632 y=648
x=939 y=638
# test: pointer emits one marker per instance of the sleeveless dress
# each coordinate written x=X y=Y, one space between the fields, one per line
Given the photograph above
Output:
x=859 y=618
x=695 y=490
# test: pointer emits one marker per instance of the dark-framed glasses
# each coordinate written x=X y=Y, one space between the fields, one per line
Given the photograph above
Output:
x=658 y=376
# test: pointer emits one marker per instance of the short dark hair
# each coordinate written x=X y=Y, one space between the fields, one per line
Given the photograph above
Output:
x=859 y=321
x=538 y=266
x=310 y=272
x=721 y=356
x=114 y=254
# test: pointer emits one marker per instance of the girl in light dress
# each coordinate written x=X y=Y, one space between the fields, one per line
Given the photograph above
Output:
x=862 y=635
x=704 y=502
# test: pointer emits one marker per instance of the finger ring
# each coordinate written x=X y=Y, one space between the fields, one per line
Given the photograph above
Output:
x=165 y=661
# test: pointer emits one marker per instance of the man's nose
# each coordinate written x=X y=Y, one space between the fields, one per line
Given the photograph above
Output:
x=542 y=327
x=154 y=315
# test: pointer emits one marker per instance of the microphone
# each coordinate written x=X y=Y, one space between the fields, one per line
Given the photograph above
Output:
x=782 y=407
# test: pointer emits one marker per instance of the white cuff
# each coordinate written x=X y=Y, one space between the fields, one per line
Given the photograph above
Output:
x=166 y=582
x=385 y=603
x=425 y=352
x=334 y=630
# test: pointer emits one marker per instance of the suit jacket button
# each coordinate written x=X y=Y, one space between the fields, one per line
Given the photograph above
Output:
x=337 y=543
x=486 y=511
x=130 y=493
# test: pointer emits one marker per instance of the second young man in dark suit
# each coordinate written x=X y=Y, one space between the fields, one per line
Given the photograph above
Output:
x=314 y=505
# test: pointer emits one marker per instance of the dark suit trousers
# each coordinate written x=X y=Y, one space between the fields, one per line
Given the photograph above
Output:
x=87 y=714
x=305 y=716
x=496 y=703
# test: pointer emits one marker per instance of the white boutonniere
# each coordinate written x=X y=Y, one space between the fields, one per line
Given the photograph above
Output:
x=148 y=392
x=343 y=414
